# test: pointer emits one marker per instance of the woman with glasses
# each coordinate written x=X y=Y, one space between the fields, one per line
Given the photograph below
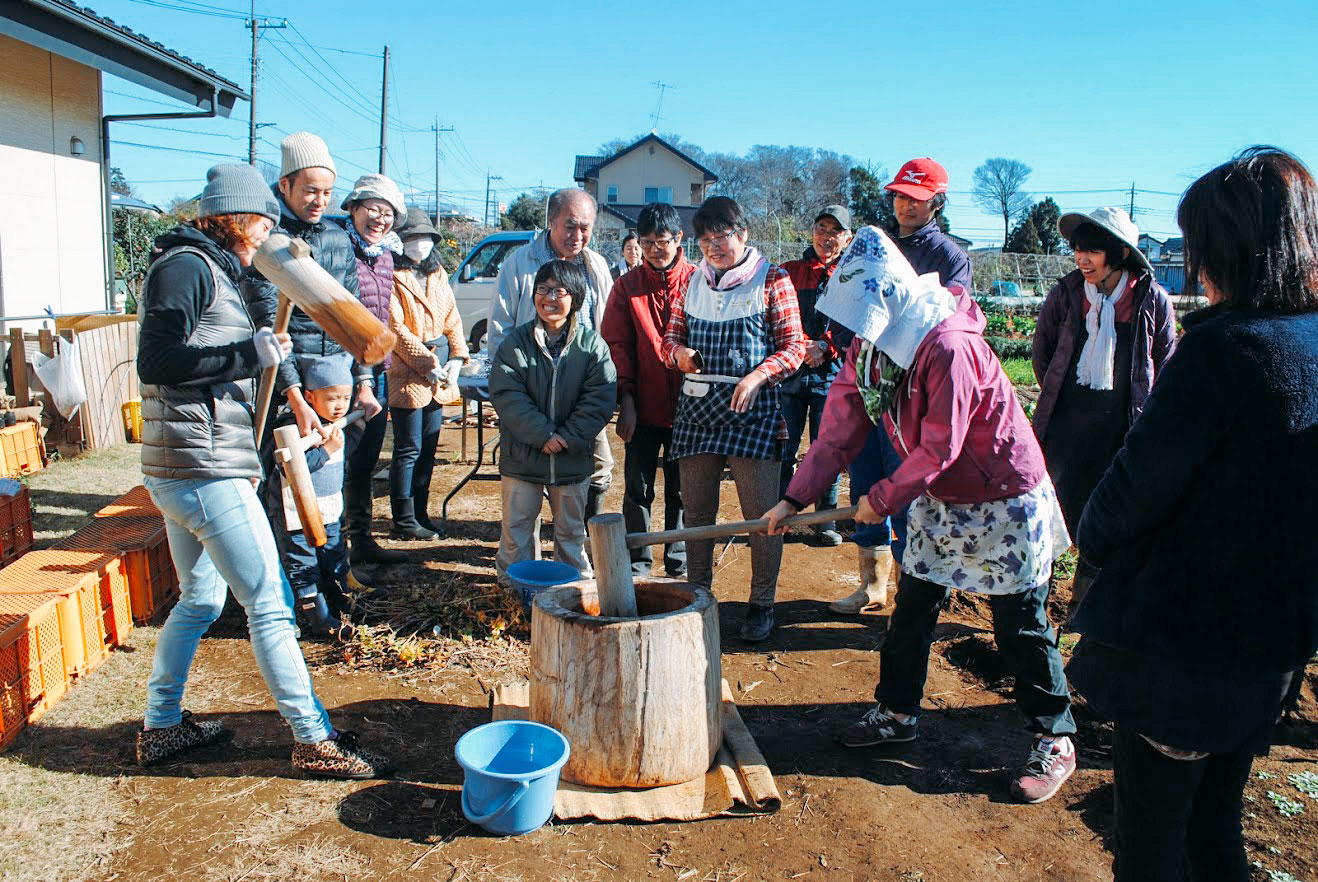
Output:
x=373 y=207
x=554 y=388
x=736 y=333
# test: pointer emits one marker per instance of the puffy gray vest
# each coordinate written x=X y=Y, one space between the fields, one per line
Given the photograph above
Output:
x=202 y=429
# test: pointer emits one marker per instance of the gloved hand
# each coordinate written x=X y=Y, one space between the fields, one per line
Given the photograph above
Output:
x=436 y=374
x=269 y=352
x=451 y=372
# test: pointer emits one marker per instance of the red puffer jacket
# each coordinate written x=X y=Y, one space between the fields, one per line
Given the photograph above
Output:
x=633 y=326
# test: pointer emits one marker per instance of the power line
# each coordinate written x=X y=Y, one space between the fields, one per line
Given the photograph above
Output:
x=177 y=149
x=307 y=66
x=322 y=87
x=195 y=9
x=185 y=131
x=332 y=68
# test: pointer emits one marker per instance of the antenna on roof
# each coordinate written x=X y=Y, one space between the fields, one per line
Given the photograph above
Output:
x=655 y=117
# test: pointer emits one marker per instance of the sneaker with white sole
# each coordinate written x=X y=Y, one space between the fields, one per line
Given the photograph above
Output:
x=1047 y=767
x=878 y=726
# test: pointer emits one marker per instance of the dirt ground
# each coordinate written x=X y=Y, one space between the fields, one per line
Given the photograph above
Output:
x=73 y=806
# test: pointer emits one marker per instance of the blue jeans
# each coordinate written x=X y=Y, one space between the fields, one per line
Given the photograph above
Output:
x=877 y=460
x=218 y=536
x=416 y=435
x=802 y=400
x=642 y=462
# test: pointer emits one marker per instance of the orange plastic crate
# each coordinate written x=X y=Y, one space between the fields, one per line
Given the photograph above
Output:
x=95 y=581
x=20 y=447
x=33 y=675
x=142 y=545
x=136 y=503
x=15 y=525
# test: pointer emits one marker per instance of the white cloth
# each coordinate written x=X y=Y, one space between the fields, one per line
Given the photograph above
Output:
x=1100 y=351
x=875 y=292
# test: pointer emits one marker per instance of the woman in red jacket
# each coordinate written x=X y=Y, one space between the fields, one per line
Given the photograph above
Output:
x=983 y=515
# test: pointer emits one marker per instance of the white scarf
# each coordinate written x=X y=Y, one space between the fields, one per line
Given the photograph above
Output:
x=1096 y=359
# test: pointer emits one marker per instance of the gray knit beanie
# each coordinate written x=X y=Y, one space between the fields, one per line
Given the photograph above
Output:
x=237 y=189
x=303 y=150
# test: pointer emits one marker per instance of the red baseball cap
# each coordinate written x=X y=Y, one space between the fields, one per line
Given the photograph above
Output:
x=920 y=179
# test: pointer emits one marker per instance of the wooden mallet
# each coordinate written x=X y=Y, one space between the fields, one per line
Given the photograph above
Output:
x=610 y=541
x=291 y=454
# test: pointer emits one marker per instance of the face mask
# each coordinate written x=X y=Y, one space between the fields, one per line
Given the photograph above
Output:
x=418 y=249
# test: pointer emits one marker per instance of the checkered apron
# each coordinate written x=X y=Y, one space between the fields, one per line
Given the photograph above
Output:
x=730 y=329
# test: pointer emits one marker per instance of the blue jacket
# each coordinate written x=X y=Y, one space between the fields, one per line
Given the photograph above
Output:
x=930 y=250
x=1203 y=530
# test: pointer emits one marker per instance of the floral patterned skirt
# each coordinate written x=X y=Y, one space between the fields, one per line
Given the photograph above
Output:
x=1001 y=547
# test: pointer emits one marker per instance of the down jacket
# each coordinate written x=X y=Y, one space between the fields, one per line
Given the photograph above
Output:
x=1061 y=319
x=537 y=396
x=331 y=249
x=422 y=309
x=960 y=431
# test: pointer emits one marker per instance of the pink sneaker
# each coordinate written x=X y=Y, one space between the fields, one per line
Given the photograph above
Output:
x=1048 y=766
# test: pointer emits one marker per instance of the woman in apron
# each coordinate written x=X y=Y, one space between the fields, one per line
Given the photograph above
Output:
x=735 y=333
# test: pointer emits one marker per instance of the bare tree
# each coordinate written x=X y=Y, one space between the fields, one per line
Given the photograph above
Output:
x=999 y=188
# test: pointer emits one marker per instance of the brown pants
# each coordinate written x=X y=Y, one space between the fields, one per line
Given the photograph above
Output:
x=757 y=491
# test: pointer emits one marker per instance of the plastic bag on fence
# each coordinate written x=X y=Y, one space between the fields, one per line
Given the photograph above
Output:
x=62 y=377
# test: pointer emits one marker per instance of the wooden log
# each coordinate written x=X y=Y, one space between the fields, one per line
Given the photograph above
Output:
x=299 y=479
x=613 y=565
x=18 y=368
x=637 y=698
x=734 y=528
x=323 y=299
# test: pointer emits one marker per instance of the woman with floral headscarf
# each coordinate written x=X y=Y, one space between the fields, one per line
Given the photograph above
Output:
x=983 y=515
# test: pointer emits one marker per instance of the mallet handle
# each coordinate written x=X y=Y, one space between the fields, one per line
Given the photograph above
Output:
x=267 y=392
x=304 y=443
x=735 y=528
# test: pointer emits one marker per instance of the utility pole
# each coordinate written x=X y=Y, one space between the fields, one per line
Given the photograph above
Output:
x=1132 y=200
x=437 y=129
x=489 y=177
x=384 y=110
x=256 y=25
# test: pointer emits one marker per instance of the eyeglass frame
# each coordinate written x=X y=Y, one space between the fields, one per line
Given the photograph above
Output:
x=558 y=292
x=651 y=244
x=374 y=212
x=722 y=238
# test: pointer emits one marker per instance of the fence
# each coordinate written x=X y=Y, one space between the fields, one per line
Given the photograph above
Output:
x=1032 y=274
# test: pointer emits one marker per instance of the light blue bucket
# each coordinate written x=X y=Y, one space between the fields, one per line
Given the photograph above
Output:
x=511 y=774
x=530 y=577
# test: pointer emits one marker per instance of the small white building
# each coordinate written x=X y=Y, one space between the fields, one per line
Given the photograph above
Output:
x=54 y=162
x=651 y=170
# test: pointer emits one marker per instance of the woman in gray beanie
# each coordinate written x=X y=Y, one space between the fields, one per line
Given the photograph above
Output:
x=197 y=358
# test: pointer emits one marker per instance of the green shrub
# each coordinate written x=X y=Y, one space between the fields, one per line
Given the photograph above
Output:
x=1007 y=347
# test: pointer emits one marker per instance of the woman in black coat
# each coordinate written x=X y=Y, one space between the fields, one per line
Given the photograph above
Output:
x=1216 y=480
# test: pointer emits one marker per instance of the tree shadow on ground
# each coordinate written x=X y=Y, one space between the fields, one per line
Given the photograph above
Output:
x=46 y=520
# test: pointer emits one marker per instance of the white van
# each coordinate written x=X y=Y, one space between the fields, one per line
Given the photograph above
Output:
x=473 y=282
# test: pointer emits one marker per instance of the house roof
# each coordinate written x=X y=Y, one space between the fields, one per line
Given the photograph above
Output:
x=81 y=35
x=585 y=168
x=630 y=214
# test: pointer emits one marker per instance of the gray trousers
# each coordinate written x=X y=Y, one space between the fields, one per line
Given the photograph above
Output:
x=757 y=491
x=520 y=535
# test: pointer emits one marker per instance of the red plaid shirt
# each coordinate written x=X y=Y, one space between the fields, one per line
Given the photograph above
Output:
x=784 y=323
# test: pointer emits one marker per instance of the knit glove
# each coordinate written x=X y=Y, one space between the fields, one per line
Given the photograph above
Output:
x=451 y=372
x=268 y=351
x=436 y=374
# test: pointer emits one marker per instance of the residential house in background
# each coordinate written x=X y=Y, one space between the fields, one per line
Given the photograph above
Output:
x=54 y=175
x=651 y=170
x=1151 y=247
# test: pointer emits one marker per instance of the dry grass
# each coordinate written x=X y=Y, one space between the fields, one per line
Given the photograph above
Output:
x=65 y=493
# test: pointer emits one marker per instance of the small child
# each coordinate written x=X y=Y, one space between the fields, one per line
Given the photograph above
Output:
x=317 y=575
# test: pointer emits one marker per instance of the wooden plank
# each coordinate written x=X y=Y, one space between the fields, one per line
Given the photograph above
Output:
x=18 y=365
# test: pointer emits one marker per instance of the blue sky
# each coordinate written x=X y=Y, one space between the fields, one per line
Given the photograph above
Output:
x=1092 y=100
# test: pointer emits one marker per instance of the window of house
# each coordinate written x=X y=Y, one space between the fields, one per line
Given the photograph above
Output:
x=613 y=194
x=659 y=194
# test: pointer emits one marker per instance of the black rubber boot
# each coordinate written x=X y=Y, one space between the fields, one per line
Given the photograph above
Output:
x=758 y=624
x=362 y=546
x=405 y=523
x=595 y=501
x=315 y=621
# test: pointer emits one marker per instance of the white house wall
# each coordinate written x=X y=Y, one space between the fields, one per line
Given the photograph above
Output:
x=52 y=226
x=639 y=169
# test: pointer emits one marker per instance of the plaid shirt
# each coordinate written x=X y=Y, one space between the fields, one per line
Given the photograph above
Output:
x=784 y=321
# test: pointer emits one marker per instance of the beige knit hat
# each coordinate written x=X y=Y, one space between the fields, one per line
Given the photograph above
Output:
x=304 y=150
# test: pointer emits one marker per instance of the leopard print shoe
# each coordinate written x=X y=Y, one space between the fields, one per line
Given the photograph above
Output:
x=339 y=757
x=157 y=745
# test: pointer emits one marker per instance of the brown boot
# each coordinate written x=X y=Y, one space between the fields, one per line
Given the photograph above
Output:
x=874 y=564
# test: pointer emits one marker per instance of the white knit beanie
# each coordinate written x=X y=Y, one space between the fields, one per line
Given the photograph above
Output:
x=304 y=150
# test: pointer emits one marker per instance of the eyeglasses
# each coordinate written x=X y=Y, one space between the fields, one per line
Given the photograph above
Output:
x=719 y=239
x=826 y=234
x=549 y=293
x=652 y=244
x=374 y=212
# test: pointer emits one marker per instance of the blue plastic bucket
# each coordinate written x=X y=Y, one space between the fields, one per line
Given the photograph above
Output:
x=511 y=774
x=530 y=577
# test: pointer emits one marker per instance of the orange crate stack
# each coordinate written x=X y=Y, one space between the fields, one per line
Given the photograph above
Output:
x=141 y=543
x=95 y=580
x=15 y=525
x=136 y=503
x=33 y=675
x=20 y=446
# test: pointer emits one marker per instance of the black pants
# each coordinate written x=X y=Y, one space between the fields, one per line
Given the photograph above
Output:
x=642 y=462
x=1021 y=631
x=362 y=443
x=1178 y=819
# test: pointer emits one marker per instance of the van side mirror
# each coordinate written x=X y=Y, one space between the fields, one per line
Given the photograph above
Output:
x=466 y=274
